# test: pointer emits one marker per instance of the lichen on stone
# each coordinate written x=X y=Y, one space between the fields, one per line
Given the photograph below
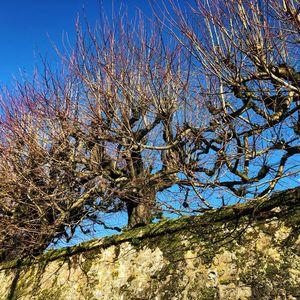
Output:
x=244 y=251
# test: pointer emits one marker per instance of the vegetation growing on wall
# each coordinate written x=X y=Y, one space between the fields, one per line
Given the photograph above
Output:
x=248 y=251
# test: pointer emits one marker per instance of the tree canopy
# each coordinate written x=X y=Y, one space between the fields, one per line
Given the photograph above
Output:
x=199 y=108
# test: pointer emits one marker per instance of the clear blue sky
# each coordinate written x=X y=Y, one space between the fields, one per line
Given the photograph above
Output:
x=28 y=26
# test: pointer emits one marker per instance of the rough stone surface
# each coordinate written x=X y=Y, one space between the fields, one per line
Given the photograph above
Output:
x=246 y=251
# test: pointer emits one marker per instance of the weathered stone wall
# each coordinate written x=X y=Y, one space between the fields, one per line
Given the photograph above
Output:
x=241 y=252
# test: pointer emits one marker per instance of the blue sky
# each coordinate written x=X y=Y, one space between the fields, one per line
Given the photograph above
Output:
x=27 y=28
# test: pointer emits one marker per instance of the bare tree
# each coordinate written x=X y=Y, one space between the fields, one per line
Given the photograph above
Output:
x=245 y=54
x=210 y=110
x=90 y=139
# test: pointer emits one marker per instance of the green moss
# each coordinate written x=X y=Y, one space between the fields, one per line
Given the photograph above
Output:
x=209 y=293
x=206 y=235
x=50 y=294
x=225 y=282
x=26 y=281
x=135 y=241
x=205 y=224
x=293 y=218
x=272 y=270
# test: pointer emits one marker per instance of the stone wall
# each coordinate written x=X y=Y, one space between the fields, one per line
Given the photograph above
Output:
x=241 y=252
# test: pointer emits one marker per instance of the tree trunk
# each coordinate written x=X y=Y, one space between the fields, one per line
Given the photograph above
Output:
x=140 y=212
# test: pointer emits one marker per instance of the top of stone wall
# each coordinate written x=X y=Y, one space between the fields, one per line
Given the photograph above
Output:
x=279 y=205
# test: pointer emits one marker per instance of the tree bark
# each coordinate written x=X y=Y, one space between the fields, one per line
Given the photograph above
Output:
x=140 y=211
